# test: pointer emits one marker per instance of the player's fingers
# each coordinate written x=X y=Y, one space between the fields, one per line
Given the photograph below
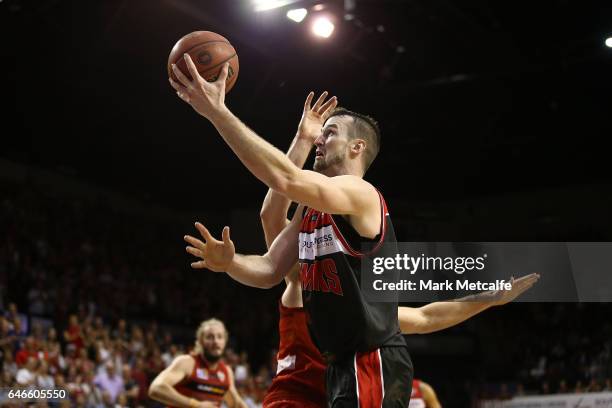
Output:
x=192 y=68
x=531 y=275
x=199 y=264
x=308 y=101
x=184 y=96
x=328 y=106
x=226 y=235
x=319 y=101
x=194 y=242
x=204 y=232
x=195 y=251
x=180 y=76
x=532 y=278
x=526 y=285
x=177 y=87
x=223 y=73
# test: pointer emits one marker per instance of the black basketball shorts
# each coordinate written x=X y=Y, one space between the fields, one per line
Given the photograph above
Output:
x=374 y=379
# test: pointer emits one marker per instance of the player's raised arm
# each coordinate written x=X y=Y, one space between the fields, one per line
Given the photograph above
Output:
x=441 y=315
x=260 y=271
x=162 y=388
x=275 y=205
x=347 y=194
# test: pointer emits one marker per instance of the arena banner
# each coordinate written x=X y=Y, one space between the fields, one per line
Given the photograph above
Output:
x=590 y=400
x=434 y=271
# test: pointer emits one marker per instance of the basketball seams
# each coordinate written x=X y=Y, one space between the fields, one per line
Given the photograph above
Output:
x=217 y=65
x=209 y=42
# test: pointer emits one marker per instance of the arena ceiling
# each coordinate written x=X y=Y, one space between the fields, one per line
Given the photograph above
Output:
x=474 y=97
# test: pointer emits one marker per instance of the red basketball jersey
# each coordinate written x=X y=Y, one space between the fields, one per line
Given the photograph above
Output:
x=300 y=375
x=204 y=383
x=416 y=398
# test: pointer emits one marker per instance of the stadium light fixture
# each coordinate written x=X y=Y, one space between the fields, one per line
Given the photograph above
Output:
x=323 y=27
x=609 y=42
x=263 y=5
x=297 y=15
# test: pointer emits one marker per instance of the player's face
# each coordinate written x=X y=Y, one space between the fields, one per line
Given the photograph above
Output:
x=213 y=340
x=332 y=144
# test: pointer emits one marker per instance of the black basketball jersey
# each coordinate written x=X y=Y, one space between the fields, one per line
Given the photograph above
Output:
x=340 y=319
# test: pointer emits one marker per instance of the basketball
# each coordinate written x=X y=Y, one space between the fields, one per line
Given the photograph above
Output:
x=209 y=51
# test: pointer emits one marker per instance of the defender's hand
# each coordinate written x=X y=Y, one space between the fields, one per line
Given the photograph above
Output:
x=214 y=254
x=519 y=286
x=206 y=98
x=314 y=117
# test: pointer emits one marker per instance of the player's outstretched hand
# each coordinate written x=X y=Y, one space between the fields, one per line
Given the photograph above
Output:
x=519 y=286
x=206 y=98
x=214 y=254
x=313 y=117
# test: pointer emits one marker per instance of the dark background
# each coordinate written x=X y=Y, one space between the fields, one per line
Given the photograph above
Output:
x=495 y=120
x=486 y=99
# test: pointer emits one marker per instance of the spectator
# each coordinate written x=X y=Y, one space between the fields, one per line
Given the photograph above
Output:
x=109 y=381
x=7 y=338
x=30 y=349
x=593 y=386
x=579 y=387
x=545 y=389
x=26 y=376
x=43 y=379
x=132 y=390
x=140 y=377
x=74 y=335
x=170 y=354
x=563 y=387
x=9 y=365
x=120 y=334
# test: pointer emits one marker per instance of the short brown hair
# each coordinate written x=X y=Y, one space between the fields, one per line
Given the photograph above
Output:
x=364 y=127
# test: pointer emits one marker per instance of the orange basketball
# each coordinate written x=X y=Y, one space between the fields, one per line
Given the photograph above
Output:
x=209 y=51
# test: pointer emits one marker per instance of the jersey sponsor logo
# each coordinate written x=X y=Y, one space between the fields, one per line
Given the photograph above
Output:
x=320 y=276
x=202 y=373
x=286 y=363
x=322 y=241
x=211 y=389
x=316 y=241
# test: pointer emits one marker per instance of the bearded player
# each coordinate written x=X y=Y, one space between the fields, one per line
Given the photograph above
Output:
x=200 y=379
x=367 y=359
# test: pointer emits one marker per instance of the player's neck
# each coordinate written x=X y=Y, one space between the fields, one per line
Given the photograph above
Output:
x=343 y=169
x=209 y=364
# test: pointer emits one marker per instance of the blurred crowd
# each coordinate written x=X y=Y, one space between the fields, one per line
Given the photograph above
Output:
x=101 y=365
x=552 y=349
x=71 y=272
x=98 y=301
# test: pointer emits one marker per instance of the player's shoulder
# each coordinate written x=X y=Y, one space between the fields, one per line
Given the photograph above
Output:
x=351 y=178
x=356 y=183
x=184 y=361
